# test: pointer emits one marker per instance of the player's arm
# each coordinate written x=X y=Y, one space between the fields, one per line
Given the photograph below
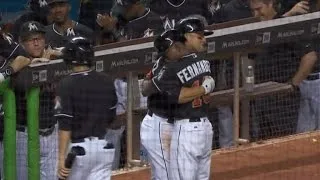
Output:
x=16 y=65
x=171 y=85
x=306 y=65
x=64 y=139
x=147 y=87
x=64 y=114
x=189 y=94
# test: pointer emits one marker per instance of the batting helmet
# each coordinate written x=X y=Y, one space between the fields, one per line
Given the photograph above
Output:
x=78 y=51
x=165 y=40
x=192 y=24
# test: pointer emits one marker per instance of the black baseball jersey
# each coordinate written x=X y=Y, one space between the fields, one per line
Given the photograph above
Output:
x=171 y=11
x=85 y=104
x=46 y=104
x=159 y=103
x=56 y=39
x=145 y=26
x=9 y=50
x=188 y=72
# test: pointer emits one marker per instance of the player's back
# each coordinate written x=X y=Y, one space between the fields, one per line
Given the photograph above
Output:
x=190 y=72
x=93 y=98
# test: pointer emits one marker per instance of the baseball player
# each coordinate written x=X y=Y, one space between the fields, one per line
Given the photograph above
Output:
x=155 y=130
x=156 y=127
x=37 y=10
x=10 y=50
x=190 y=151
x=10 y=63
x=171 y=11
x=63 y=28
x=85 y=105
x=32 y=40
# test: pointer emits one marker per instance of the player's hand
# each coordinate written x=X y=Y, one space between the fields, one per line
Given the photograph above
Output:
x=301 y=7
x=51 y=54
x=63 y=172
x=208 y=84
x=39 y=60
x=19 y=63
x=107 y=22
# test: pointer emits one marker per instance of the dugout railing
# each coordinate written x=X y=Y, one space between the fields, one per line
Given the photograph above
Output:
x=233 y=39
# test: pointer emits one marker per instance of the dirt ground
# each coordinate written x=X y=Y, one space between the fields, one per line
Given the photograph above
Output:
x=290 y=158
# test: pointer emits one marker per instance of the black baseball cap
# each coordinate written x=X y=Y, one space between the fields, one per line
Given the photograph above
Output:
x=192 y=25
x=29 y=28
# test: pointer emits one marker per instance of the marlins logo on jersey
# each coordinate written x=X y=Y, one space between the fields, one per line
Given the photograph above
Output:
x=169 y=23
x=148 y=33
x=57 y=106
x=70 y=32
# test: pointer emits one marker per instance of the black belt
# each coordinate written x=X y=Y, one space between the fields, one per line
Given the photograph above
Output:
x=312 y=77
x=80 y=140
x=42 y=132
x=170 y=120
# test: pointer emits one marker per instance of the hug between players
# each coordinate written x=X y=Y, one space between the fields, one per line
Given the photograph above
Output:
x=84 y=113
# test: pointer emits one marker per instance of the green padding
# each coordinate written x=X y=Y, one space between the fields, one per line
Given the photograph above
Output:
x=9 y=102
x=33 y=133
x=3 y=86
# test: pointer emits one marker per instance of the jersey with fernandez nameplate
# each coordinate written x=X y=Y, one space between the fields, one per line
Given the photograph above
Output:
x=188 y=72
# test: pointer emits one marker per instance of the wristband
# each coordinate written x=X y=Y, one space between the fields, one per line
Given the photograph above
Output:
x=8 y=71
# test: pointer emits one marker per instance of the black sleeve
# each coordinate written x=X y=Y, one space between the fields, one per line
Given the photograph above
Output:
x=64 y=105
x=64 y=123
x=168 y=83
x=307 y=47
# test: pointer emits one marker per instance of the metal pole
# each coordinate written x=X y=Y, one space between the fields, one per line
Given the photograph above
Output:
x=130 y=104
x=236 y=97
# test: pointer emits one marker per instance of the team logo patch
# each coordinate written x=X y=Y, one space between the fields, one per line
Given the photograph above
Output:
x=70 y=32
x=42 y=3
x=160 y=74
x=32 y=27
x=148 y=33
x=120 y=2
x=57 y=104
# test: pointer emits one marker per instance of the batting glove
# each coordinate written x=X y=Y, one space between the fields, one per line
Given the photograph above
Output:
x=208 y=84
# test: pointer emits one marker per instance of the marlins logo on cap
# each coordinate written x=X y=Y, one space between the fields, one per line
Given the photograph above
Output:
x=32 y=27
x=43 y=3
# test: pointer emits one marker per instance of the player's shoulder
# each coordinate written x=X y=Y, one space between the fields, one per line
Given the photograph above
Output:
x=67 y=83
x=103 y=77
x=49 y=29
